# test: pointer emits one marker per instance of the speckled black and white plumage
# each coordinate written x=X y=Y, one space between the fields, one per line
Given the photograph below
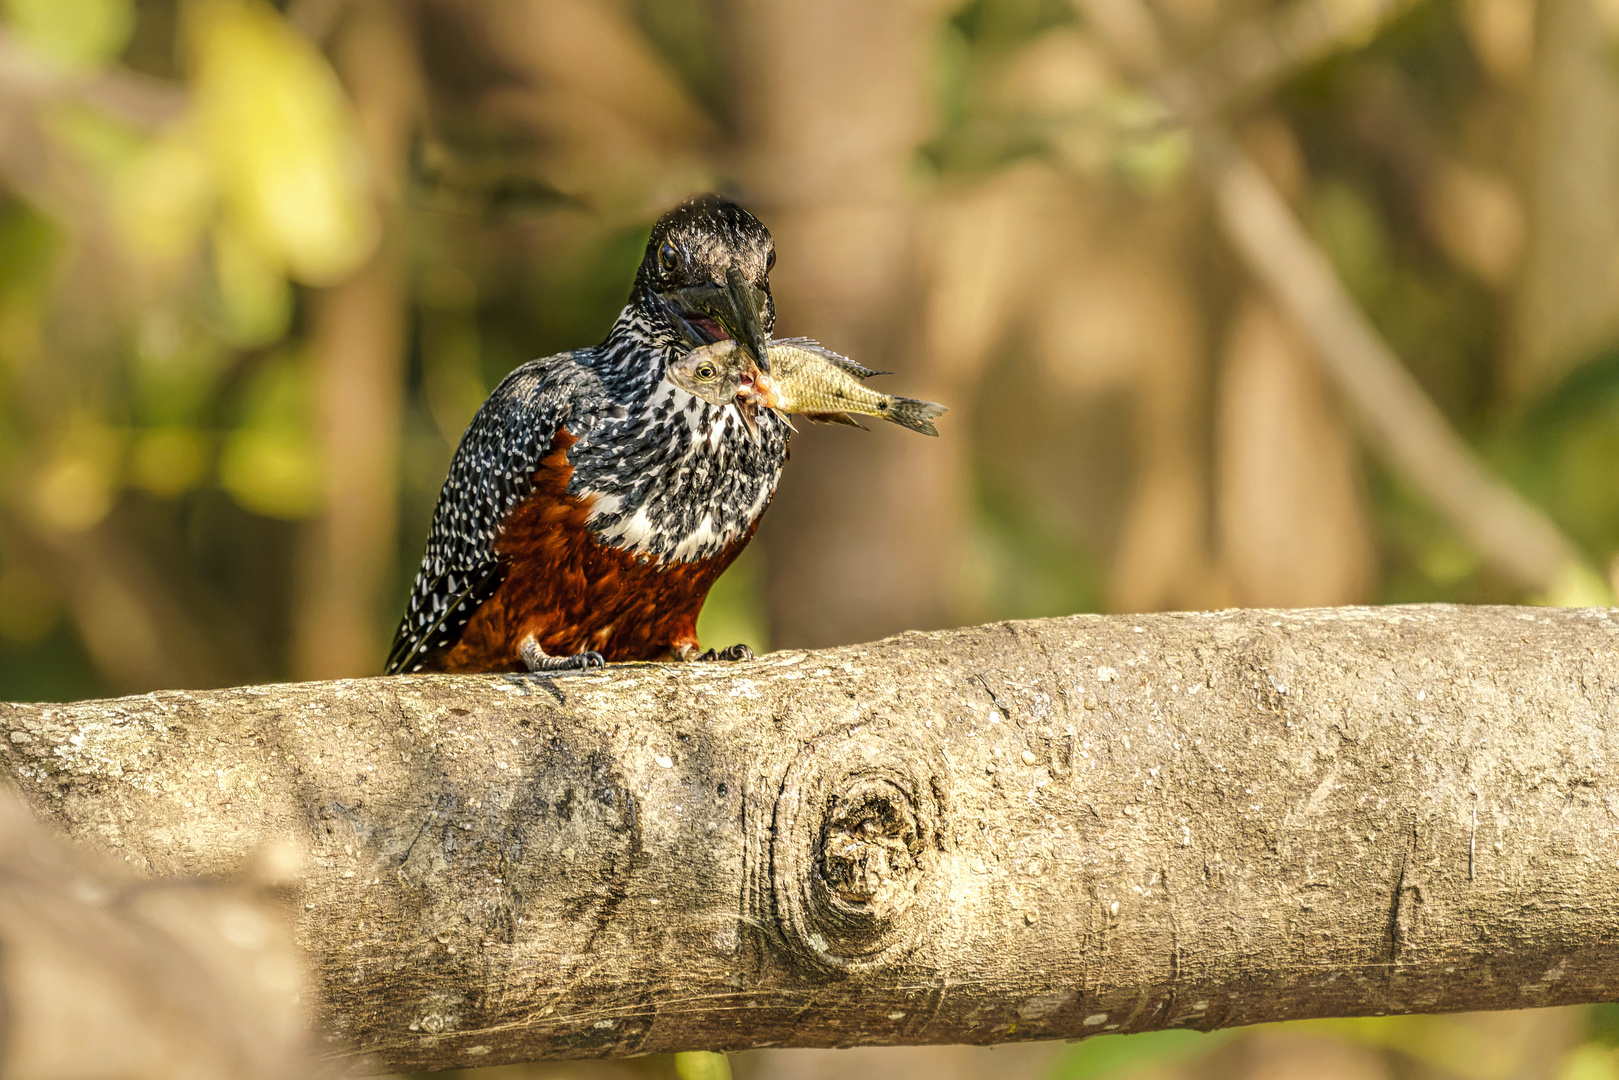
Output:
x=672 y=478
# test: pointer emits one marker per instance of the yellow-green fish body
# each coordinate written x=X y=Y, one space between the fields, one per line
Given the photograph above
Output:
x=804 y=378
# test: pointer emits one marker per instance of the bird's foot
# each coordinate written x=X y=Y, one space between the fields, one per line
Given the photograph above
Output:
x=535 y=659
x=738 y=651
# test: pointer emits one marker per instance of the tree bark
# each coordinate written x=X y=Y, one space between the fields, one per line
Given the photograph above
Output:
x=106 y=975
x=1019 y=831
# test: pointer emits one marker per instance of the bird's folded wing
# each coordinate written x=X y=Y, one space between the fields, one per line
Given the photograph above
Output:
x=490 y=476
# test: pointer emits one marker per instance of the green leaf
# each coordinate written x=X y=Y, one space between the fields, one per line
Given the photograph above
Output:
x=72 y=33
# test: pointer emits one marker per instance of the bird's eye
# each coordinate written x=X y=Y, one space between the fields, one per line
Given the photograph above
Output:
x=705 y=370
x=668 y=257
x=770 y=261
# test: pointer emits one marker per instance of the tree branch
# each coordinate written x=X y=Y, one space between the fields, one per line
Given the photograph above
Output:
x=1402 y=424
x=109 y=975
x=135 y=99
x=1029 y=830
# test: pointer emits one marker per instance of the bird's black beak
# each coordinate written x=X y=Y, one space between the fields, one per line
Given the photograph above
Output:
x=736 y=308
x=749 y=327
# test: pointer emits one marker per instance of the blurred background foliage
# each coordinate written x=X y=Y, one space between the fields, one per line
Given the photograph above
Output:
x=259 y=264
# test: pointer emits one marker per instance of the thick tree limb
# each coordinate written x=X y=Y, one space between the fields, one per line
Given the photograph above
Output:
x=1028 y=830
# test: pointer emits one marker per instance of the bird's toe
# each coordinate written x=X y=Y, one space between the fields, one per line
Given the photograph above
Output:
x=738 y=651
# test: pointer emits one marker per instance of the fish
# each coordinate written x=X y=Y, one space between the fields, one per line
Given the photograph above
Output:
x=717 y=375
x=805 y=378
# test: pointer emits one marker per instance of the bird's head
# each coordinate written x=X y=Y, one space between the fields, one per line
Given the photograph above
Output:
x=707 y=270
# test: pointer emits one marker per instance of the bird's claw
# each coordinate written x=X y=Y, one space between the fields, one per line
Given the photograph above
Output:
x=688 y=652
x=738 y=651
x=535 y=659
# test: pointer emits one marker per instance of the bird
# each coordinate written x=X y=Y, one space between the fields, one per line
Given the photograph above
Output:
x=592 y=503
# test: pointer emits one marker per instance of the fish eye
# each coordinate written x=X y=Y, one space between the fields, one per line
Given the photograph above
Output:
x=705 y=370
x=668 y=257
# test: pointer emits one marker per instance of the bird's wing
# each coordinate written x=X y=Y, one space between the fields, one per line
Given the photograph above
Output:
x=491 y=473
x=451 y=599
x=859 y=371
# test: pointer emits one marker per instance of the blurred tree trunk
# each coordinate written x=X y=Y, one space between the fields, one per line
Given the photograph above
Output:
x=867 y=531
x=1569 y=295
x=1138 y=295
x=358 y=341
x=1293 y=529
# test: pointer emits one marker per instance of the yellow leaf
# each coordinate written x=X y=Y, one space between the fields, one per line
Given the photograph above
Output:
x=168 y=461
x=75 y=488
x=254 y=295
x=284 y=145
x=162 y=199
x=271 y=464
x=273 y=473
x=702 y=1065
x=1589 y=1062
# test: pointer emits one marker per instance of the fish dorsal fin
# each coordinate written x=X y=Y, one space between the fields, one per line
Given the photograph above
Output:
x=859 y=371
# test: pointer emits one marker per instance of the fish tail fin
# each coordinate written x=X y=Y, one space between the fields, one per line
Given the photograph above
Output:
x=914 y=414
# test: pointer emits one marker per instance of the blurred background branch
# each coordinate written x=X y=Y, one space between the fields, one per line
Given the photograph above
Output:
x=111 y=974
x=122 y=94
x=1402 y=423
x=1259 y=52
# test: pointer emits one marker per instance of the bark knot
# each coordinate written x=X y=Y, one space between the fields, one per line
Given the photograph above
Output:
x=856 y=842
x=870 y=848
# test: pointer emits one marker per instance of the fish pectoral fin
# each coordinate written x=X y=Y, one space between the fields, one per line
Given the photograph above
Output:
x=834 y=418
x=748 y=411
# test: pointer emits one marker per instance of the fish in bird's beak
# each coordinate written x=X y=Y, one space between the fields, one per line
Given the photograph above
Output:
x=757 y=392
x=709 y=312
x=756 y=388
x=750 y=394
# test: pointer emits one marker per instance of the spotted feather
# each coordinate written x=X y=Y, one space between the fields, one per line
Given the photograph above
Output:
x=659 y=489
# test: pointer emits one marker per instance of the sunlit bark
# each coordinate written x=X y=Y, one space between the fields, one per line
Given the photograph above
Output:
x=1028 y=830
